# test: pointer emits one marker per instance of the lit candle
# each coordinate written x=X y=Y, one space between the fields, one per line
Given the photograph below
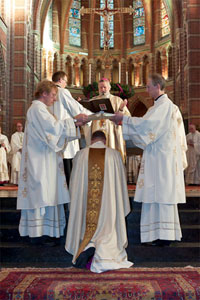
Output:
x=119 y=72
x=126 y=77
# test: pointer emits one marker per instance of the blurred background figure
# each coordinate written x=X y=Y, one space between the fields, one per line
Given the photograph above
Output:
x=16 y=151
x=192 y=173
x=133 y=167
x=4 y=150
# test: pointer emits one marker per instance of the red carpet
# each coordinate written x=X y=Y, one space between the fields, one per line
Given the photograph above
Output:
x=71 y=283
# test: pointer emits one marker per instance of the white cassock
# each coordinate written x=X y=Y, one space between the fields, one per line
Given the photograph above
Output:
x=110 y=237
x=114 y=137
x=133 y=166
x=67 y=107
x=160 y=186
x=192 y=173
x=3 y=158
x=42 y=186
x=16 y=148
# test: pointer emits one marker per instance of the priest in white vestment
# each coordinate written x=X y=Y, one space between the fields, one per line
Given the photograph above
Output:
x=160 y=186
x=4 y=150
x=42 y=185
x=98 y=208
x=192 y=173
x=114 y=137
x=66 y=107
x=16 y=152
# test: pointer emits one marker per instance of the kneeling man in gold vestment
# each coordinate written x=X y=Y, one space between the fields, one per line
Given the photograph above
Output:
x=99 y=203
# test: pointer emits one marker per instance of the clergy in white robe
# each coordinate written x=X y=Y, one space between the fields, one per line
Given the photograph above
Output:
x=114 y=137
x=160 y=186
x=4 y=150
x=42 y=185
x=66 y=107
x=16 y=152
x=192 y=173
x=98 y=207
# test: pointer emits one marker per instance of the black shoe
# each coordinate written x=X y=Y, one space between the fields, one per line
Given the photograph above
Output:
x=159 y=243
x=162 y=243
x=84 y=257
x=36 y=240
x=50 y=241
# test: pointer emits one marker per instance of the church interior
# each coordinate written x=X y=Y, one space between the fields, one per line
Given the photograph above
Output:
x=40 y=37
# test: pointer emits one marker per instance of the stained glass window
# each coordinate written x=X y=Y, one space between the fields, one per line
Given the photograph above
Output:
x=111 y=24
x=138 y=23
x=75 y=24
x=165 y=29
x=47 y=35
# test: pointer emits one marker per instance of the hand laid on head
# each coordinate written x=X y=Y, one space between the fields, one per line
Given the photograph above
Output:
x=117 y=118
x=81 y=119
x=124 y=103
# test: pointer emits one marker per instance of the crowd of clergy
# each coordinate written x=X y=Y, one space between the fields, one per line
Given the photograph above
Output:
x=10 y=156
x=95 y=184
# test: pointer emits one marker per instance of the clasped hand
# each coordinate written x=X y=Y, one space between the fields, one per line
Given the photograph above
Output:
x=117 y=118
x=81 y=119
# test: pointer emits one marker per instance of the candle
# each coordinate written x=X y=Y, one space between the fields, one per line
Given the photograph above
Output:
x=126 y=77
x=119 y=72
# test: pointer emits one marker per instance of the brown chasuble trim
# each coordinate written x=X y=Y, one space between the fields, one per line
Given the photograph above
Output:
x=95 y=188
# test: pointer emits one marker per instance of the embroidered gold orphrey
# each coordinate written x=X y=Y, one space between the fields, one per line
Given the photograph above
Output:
x=95 y=189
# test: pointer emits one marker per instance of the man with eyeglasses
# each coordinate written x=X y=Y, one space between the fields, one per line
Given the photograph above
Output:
x=66 y=106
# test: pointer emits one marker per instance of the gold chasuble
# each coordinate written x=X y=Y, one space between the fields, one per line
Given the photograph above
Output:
x=95 y=189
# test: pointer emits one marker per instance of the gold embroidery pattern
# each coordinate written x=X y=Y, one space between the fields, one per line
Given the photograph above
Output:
x=179 y=121
x=95 y=189
x=61 y=167
x=25 y=175
x=141 y=183
x=152 y=136
x=24 y=192
x=49 y=137
x=142 y=168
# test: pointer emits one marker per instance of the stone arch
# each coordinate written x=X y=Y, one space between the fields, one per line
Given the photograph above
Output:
x=158 y=62
x=130 y=69
x=68 y=69
x=115 y=71
x=83 y=72
x=55 y=62
x=170 y=59
x=98 y=70
x=76 y=68
x=145 y=69
x=138 y=108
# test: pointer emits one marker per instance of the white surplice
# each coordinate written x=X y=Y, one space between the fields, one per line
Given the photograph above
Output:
x=16 y=148
x=3 y=158
x=110 y=237
x=42 y=185
x=67 y=107
x=192 y=173
x=114 y=137
x=160 y=186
